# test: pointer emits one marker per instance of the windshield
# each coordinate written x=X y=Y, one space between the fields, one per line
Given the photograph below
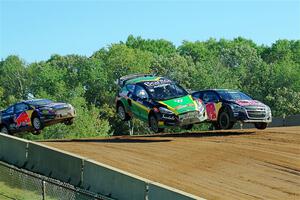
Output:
x=40 y=102
x=233 y=95
x=165 y=91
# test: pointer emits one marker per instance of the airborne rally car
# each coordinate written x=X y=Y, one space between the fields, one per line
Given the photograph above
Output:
x=226 y=107
x=158 y=101
x=34 y=115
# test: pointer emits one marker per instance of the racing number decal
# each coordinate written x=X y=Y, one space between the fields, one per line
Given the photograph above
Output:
x=211 y=111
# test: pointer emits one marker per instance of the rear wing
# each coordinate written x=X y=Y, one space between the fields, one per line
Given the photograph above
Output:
x=122 y=80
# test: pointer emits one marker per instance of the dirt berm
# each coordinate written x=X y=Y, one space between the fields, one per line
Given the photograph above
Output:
x=236 y=164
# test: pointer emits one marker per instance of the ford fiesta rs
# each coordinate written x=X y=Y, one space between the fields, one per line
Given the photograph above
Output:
x=34 y=115
x=158 y=101
x=225 y=107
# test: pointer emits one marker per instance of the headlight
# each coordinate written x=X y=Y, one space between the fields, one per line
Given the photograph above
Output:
x=70 y=106
x=165 y=110
x=237 y=108
x=268 y=110
x=200 y=105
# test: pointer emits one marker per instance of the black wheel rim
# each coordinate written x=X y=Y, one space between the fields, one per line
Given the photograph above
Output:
x=36 y=123
x=154 y=125
x=121 y=112
x=224 y=121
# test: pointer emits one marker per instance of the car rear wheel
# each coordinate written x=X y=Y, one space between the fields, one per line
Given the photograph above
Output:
x=122 y=113
x=224 y=121
x=4 y=130
x=188 y=127
x=261 y=125
x=154 y=124
x=37 y=123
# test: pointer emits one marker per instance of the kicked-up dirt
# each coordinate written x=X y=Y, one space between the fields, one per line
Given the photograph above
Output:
x=236 y=164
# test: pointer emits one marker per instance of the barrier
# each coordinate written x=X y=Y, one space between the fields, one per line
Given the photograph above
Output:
x=13 y=150
x=159 y=191
x=293 y=120
x=112 y=182
x=55 y=164
x=87 y=174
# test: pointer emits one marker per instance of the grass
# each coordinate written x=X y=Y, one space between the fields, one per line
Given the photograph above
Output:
x=8 y=192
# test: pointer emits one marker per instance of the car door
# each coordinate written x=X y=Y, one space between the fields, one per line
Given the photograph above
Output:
x=8 y=118
x=22 y=116
x=212 y=103
x=141 y=98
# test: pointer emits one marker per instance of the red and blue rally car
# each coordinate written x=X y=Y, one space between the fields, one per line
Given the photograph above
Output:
x=225 y=107
x=34 y=115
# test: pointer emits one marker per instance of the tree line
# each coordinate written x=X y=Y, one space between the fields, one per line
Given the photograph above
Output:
x=270 y=74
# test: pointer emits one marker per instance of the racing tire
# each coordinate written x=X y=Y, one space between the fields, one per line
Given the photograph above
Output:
x=153 y=123
x=261 y=125
x=216 y=126
x=37 y=123
x=224 y=121
x=188 y=127
x=122 y=113
x=36 y=132
x=69 y=122
x=4 y=130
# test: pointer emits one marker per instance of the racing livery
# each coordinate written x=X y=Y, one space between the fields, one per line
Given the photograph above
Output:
x=34 y=115
x=158 y=101
x=225 y=107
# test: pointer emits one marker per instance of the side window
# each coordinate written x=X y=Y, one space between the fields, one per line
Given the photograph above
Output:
x=210 y=97
x=21 y=107
x=130 y=88
x=140 y=92
x=198 y=95
x=10 y=110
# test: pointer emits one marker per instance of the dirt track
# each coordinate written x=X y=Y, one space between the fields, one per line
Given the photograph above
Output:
x=235 y=164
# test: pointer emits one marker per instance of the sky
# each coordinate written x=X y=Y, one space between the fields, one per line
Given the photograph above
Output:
x=35 y=30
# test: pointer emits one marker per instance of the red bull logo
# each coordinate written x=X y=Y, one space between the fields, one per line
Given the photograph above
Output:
x=23 y=119
x=211 y=111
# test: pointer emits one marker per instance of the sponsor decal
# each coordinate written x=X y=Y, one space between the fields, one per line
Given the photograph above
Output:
x=178 y=100
x=211 y=111
x=248 y=102
x=23 y=119
x=157 y=83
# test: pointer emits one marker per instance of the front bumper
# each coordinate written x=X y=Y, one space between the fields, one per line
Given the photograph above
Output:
x=252 y=116
x=59 y=115
x=193 y=117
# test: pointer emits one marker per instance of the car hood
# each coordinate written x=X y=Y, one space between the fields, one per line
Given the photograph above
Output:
x=249 y=103
x=181 y=104
x=56 y=106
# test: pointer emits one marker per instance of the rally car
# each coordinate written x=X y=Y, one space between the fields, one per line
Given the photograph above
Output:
x=225 y=107
x=34 y=115
x=158 y=101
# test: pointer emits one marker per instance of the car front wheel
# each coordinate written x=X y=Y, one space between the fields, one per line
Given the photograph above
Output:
x=224 y=121
x=154 y=124
x=69 y=122
x=37 y=123
x=261 y=125
x=122 y=113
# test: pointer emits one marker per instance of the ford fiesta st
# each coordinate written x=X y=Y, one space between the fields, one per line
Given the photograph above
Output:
x=226 y=107
x=158 y=101
x=34 y=115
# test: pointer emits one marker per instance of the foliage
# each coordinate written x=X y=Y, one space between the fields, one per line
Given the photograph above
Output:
x=267 y=73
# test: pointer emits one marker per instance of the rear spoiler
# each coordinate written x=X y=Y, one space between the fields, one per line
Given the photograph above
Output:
x=122 y=80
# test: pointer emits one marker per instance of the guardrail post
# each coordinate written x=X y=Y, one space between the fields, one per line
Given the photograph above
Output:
x=44 y=190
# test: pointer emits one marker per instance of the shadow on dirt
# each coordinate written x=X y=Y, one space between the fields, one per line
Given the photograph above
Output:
x=128 y=139
x=203 y=134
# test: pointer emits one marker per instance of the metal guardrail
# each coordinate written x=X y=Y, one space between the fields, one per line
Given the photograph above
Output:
x=33 y=186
